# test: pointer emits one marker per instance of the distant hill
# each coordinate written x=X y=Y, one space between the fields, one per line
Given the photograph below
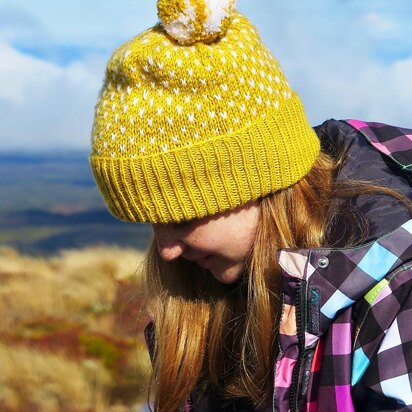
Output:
x=51 y=180
x=49 y=201
x=38 y=217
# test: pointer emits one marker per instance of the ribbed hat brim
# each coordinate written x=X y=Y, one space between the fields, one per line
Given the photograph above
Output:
x=211 y=176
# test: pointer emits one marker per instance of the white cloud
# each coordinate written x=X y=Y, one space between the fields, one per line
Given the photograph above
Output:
x=377 y=93
x=344 y=85
x=379 y=25
x=43 y=105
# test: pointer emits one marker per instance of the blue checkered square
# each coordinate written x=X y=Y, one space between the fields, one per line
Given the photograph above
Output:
x=336 y=302
x=360 y=363
x=377 y=262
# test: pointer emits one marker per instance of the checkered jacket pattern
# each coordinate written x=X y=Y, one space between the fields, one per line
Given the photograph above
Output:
x=345 y=339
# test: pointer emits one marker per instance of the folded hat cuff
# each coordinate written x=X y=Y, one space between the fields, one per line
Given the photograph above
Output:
x=211 y=176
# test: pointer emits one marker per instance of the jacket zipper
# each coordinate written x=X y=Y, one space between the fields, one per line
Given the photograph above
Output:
x=300 y=333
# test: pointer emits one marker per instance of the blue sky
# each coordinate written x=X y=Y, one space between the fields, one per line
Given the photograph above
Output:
x=346 y=58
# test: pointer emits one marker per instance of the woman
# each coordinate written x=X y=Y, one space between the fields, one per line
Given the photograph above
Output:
x=278 y=275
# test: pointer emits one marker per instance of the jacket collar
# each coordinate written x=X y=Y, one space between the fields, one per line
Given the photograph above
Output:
x=336 y=278
x=394 y=142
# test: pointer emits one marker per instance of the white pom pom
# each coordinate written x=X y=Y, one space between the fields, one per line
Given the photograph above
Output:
x=219 y=10
x=190 y=21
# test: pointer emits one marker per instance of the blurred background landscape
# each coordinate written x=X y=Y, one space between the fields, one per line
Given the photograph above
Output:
x=71 y=300
x=49 y=202
x=71 y=296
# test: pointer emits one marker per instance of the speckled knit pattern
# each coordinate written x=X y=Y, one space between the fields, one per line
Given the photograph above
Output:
x=182 y=132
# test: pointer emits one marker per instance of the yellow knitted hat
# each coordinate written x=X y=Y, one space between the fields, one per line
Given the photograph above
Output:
x=196 y=117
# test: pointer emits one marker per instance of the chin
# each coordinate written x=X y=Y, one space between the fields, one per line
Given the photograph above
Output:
x=227 y=276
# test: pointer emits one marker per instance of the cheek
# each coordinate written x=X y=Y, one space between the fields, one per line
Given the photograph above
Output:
x=203 y=240
x=233 y=245
x=210 y=240
x=242 y=238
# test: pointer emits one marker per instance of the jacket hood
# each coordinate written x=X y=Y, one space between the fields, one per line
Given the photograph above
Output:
x=376 y=153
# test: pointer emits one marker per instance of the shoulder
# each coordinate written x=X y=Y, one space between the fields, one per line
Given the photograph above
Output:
x=391 y=141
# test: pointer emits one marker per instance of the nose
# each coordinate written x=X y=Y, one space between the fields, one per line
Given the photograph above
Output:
x=169 y=244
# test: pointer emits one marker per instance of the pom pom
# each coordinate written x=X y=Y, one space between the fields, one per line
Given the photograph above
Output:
x=191 y=21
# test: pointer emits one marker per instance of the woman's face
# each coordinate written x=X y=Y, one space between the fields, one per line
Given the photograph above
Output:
x=220 y=243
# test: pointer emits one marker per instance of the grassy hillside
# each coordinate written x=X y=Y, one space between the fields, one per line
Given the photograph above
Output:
x=71 y=332
x=71 y=299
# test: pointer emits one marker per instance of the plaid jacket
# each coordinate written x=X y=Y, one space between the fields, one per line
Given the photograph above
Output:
x=345 y=339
